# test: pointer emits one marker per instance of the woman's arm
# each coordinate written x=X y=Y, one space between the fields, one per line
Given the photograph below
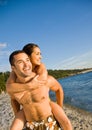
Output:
x=13 y=87
x=12 y=78
x=42 y=72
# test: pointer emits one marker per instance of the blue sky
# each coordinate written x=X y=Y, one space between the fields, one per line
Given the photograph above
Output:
x=62 y=29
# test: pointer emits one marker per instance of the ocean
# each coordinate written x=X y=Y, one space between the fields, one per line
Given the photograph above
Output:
x=77 y=91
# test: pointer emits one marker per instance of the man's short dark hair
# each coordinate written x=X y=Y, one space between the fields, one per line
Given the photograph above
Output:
x=11 y=57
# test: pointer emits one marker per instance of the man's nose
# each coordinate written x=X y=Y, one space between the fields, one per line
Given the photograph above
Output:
x=25 y=63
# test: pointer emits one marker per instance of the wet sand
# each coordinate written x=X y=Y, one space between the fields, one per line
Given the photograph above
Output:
x=81 y=120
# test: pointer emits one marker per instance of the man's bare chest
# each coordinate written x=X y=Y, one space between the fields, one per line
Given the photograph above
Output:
x=32 y=96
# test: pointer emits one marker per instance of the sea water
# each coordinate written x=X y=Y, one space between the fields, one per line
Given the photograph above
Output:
x=77 y=90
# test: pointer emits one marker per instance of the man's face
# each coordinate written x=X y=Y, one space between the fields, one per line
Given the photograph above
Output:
x=22 y=65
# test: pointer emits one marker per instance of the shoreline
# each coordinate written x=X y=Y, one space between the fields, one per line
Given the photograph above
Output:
x=77 y=109
x=82 y=72
x=80 y=119
x=83 y=111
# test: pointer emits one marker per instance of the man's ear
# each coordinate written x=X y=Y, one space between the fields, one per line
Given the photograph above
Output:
x=12 y=67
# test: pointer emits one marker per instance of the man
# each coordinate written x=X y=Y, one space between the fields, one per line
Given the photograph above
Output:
x=34 y=99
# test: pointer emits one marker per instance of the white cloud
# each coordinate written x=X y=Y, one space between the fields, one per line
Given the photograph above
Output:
x=3 y=45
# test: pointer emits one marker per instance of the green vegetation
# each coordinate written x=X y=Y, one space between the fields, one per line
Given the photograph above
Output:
x=55 y=73
x=3 y=79
x=65 y=73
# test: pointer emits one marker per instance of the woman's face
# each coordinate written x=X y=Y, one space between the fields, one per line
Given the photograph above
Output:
x=36 y=56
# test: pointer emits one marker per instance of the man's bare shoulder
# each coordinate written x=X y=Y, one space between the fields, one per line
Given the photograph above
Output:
x=51 y=80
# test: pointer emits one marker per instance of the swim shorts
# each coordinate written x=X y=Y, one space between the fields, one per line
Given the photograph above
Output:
x=49 y=124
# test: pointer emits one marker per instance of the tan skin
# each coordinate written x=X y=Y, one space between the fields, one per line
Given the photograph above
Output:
x=62 y=120
x=37 y=100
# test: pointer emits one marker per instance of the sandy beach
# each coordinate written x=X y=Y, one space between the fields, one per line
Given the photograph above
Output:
x=81 y=120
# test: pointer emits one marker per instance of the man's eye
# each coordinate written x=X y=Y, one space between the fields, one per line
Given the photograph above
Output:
x=19 y=62
x=28 y=60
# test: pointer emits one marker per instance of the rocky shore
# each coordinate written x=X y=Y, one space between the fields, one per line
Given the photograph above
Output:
x=80 y=119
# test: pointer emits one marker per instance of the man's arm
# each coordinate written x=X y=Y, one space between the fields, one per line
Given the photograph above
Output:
x=57 y=88
x=15 y=105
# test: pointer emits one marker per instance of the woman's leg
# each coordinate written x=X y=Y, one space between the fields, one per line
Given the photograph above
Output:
x=19 y=121
x=61 y=116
